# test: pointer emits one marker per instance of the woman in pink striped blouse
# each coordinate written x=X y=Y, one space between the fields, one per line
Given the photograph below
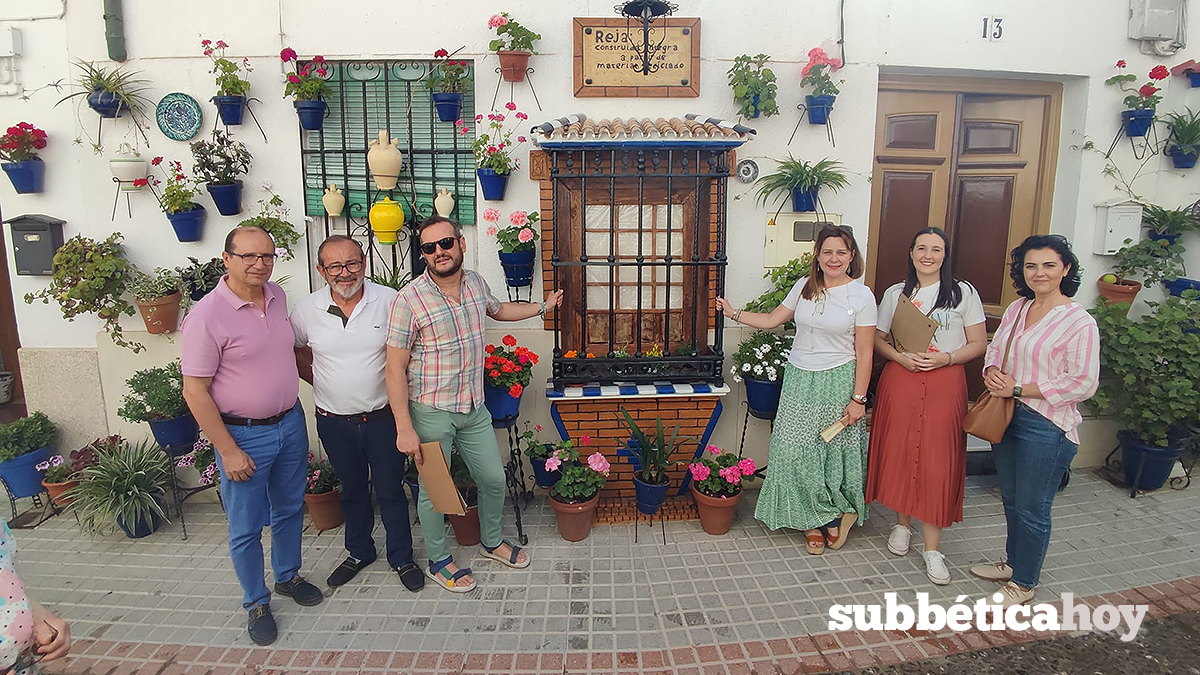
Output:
x=1053 y=365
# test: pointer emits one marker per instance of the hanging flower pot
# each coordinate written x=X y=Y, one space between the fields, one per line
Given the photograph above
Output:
x=804 y=200
x=1178 y=285
x=230 y=108
x=493 y=184
x=1184 y=156
x=1159 y=236
x=227 y=198
x=177 y=435
x=1194 y=78
x=575 y=520
x=385 y=160
x=311 y=114
x=189 y=225
x=501 y=404
x=20 y=474
x=127 y=166
x=448 y=104
x=386 y=218
x=28 y=177
x=649 y=496
x=518 y=267
x=754 y=111
x=513 y=65
x=762 y=397
x=819 y=107
x=106 y=104
x=161 y=315
x=716 y=513
x=1137 y=122
x=325 y=509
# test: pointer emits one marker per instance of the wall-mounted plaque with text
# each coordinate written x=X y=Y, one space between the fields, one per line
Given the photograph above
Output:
x=609 y=58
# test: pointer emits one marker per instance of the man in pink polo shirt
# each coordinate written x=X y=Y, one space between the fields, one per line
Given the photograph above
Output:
x=241 y=383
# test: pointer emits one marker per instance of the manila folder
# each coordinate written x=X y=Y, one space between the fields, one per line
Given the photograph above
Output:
x=912 y=330
x=435 y=479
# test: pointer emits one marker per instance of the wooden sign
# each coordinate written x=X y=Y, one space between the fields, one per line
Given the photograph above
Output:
x=608 y=58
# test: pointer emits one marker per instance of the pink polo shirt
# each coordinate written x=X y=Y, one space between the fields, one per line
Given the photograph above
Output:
x=248 y=354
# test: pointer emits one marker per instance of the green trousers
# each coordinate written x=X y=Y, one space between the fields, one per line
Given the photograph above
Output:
x=472 y=435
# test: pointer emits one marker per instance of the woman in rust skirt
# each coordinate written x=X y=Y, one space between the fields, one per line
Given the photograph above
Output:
x=916 y=462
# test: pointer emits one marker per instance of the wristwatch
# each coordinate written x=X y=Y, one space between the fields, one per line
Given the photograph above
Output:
x=1017 y=391
x=859 y=399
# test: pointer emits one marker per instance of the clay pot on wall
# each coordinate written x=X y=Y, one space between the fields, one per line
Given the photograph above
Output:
x=443 y=203
x=333 y=200
x=385 y=159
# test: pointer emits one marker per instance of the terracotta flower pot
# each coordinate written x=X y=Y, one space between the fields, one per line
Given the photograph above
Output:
x=385 y=160
x=56 y=490
x=1124 y=291
x=325 y=509
x=575 y=520
x=466 y=528
x=716 y=513
x=161 y=315
x=513 y=65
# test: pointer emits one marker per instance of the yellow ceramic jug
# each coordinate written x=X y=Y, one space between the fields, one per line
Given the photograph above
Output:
x=386 y=219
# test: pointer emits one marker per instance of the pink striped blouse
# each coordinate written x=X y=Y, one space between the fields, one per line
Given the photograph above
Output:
x=1061 y=353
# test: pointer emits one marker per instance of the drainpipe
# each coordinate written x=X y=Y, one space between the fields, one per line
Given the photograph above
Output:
x=114 y=30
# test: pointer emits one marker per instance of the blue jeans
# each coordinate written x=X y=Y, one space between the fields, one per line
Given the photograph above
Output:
x=1030 y=462
x=364 y=454
x=274 y=495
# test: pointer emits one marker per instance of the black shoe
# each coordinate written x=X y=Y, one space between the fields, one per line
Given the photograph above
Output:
x=412 y=577
x=261 y=625
x=347 y=570
x=301 y=591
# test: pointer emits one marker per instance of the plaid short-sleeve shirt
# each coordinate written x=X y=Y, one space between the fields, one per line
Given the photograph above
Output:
x=446 y=341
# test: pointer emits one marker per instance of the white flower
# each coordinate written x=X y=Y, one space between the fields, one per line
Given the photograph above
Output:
x=745 y=367
x=758 y=369
x=266 y=185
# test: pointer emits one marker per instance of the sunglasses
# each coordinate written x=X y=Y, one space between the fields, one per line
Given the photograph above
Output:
x=429 y=247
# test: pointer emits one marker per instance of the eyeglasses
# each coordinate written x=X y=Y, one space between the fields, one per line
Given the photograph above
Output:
x=251 y=258
x=353 y=267
x=430 y=246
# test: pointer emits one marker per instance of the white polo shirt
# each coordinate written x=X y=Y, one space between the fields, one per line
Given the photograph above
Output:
x=348 y=361
x=825 y=327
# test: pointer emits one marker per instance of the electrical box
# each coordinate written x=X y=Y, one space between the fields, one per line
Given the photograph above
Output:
x=1115 y=223
x=1154 y=19
x=792 y=235
x=10 y=41
x=36 y=238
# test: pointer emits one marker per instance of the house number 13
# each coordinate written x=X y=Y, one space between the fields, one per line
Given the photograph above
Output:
x=993 y=28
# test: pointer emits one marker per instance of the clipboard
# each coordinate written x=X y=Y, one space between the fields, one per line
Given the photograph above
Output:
x=435 y=480
x=912 y=330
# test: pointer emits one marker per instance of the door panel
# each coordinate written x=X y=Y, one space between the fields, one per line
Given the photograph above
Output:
x=984 y=209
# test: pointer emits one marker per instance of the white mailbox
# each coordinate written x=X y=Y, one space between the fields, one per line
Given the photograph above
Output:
x=792 y=235
x=1116 y=222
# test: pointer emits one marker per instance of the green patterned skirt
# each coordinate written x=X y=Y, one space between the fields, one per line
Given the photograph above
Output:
x=810 y=482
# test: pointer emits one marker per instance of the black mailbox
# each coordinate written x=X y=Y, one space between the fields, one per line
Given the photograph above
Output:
x=35 y=240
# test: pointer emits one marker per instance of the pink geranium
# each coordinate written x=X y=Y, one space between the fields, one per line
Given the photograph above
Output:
x=518 y=218
x=553 y=462
x=731 y=475
x=491 y=231
x=585 y=439
x=599 y=464
x=491 y=215
x=525 y=235
x=496 y=21
x=747 y=467
x=699 y=471
x=714 y=449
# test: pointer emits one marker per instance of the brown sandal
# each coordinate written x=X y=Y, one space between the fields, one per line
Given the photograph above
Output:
x=848 y=520
x=814 y=542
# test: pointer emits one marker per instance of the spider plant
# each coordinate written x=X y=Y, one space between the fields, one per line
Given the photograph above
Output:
x=396 y=277
x=1185 y=131
x=126 y=85
x=126 y=483
x=796 y=174
x=1169 y=222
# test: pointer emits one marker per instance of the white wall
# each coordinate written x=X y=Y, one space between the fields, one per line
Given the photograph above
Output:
x=1056 y=41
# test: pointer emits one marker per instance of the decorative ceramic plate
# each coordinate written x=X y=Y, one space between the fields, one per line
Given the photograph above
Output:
x=747 y=170
x=179 y=116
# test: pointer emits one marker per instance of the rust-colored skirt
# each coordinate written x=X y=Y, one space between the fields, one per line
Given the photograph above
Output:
x=917 y=457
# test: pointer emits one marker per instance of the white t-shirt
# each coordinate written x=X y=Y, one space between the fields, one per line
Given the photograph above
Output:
x=951 y=333
x=348 y=361
x=825 y=326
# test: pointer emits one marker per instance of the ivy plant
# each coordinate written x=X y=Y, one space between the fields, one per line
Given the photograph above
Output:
x=751 y=79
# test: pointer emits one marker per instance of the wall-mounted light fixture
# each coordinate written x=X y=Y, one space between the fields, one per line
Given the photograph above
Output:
x=645 y=12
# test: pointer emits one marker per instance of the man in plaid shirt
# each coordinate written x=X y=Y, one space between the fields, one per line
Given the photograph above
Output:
x=435 y=387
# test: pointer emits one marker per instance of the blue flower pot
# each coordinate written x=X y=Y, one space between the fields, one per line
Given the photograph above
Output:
x=230 y=108
x=503 y=407
x=493 y=184
x=176 y=436
x=1177 y=286
x=20 y=474
x=1155 y=463
x=1137 y=122
x=189 y=225
x=754 y=111
x=311 y=114
x=28 y=177
x=142 y=528
x=649 y=497
x=1169 y=238
x=105 y=104
x=449 y=105
x=804 y=201
x=1184 y=156
x=518 y=267
x=1194 y=78
x=541 y=476
x=227 y=198
x=819 y=107
x=762 y=397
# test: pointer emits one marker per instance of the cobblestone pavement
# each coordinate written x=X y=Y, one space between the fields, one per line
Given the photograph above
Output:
x=750 y=601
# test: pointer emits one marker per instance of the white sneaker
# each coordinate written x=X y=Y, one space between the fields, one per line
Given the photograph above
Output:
x=935 y=567
x=899 y=539
x=1011 y=594
x=999 y=571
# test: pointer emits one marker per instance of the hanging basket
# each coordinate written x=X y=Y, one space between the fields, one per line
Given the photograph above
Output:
x=311 y=114
x=227 y=198
x=518 y=267
x=804 y=201
x=819 y=107
x=449 y=105
x=230 y=108
x=513 y=65
x=1137 y=122
x=493 y=184
x=189 y=225
x=28 y=177
x=1184 y=156
x=105 y=104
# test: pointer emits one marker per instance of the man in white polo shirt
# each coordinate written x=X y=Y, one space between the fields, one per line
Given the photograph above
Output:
x=341 y=334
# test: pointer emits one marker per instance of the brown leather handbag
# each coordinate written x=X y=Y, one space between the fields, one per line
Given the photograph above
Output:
x=990 y=416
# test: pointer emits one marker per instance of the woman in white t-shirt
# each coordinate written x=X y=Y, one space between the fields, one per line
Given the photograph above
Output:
x=812 y=485
x=918 y=449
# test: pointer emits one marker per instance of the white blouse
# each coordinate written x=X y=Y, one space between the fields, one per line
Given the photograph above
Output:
x=825 y=326
x=951 y=333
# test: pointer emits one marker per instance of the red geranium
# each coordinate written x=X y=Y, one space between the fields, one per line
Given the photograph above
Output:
x=515 y=391
x=509 y=341
x=304 y=84
x=1147 y=90
x=1159 y=72
x=1144 y=97
x=20 y=143
x=508 y=365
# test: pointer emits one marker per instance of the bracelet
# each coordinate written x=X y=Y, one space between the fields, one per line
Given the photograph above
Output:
x=542 y=311
x=737 y=316
x=951 y=355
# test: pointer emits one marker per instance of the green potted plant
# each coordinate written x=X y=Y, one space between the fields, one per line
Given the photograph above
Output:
x=496 y=151
x=518 y=244
x=125 y=487
x=90 y=277
x=308 y=87
x=395 y=278
x=538 y=452
x=507 y=369
x=18 y=150
x=1153 y=260
x=62 y=474
x=110 y=92
x=824 y=90
x=177 y=200
x=1149 y=368
x=199 y=278
x=272 y=218
x=157 y=298
x=156 y=397
x=653 y=458
x=323 y=494
x=219 y=162
x=1138 y=116
x=513 y=46
x=782 y=279
x=575 y=495
x=24 y=444
x=204 y=458
x=803 y=180
x=1183 y=145
x=754 y=87
x=759 y=362
x=231 y=86
x=1168 y=224
x=446 y=81
x=466 y=527
x=717 y=479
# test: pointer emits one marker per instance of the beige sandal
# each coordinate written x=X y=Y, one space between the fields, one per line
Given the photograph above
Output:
x=848 y=520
